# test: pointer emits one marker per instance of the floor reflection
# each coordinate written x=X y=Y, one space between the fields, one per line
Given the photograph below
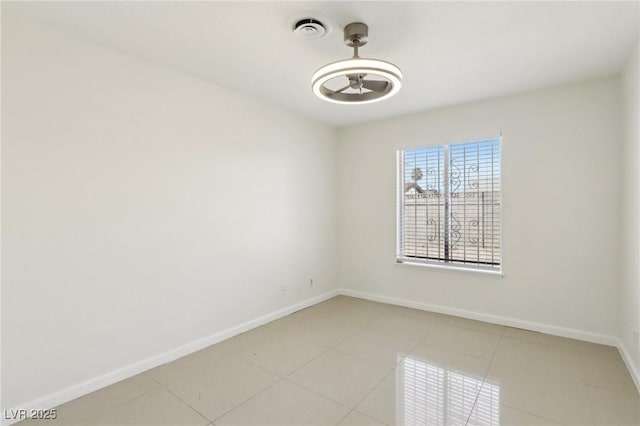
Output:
x=432 y=395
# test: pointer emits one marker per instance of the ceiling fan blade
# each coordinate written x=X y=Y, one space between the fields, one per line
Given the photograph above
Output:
x=343 y=89
x=375 y=85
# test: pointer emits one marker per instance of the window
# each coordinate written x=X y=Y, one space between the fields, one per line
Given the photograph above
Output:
x=449 y=205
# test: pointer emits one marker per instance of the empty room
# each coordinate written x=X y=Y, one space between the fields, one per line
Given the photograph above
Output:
x=320 y=213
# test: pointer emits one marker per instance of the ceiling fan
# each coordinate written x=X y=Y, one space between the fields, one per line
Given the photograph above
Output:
x=356 y=80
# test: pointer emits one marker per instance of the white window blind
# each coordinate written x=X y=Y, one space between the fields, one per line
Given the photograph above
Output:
x=431 y=395
x=449 y=205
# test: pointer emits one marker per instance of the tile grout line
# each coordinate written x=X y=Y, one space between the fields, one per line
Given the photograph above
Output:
x=308 y=362
x=371 y=417
x=392 y=371
x=532 y=414
x=345 y=416
x=280 y=379
x=327 y=349
x=180 y=399
x=337 y=350
x=591 y=407
x=586 y=385
x=317 y=394
x=249 y=399
x=486 y=373
x=356 y=332
x=230 y=353
x=239 y=355
x=284 y=378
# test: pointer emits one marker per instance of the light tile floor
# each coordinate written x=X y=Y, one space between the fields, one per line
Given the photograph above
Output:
x=348 y=361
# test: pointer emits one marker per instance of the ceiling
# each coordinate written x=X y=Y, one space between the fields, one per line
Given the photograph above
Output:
x=449 y=52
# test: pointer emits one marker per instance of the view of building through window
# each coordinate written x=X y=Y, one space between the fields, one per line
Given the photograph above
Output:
x=449 y=204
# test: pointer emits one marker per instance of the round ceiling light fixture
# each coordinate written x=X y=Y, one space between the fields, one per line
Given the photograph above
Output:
x=328 y=82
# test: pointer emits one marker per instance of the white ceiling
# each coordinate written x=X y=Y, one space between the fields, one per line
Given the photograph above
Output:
x=448 y=52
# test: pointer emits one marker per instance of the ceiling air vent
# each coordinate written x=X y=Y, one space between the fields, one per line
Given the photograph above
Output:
x=309 y=28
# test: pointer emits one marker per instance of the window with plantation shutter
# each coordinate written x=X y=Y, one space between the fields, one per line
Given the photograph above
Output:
x=449 y=211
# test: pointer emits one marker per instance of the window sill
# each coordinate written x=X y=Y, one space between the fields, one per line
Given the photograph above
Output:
x=448 y=268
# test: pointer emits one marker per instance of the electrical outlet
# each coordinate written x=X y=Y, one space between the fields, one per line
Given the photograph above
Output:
x=635 y=337
x=310 y=282
x=283 y=290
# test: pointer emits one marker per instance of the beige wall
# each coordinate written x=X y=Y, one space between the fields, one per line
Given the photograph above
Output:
x=143 y=210
x=561 y=244
x=630 y=211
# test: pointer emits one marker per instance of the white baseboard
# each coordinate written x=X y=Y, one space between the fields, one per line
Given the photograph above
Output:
x=80 y=389
x=630 y=364
x=494 y=319
x=511 y=322
x=91 y=385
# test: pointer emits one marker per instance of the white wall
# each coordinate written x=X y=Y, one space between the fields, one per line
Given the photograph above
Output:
x=143 y=210
x=561 y=201
x=630 y=211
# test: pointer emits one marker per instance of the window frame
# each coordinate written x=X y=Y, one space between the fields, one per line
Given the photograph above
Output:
x=439 y=264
